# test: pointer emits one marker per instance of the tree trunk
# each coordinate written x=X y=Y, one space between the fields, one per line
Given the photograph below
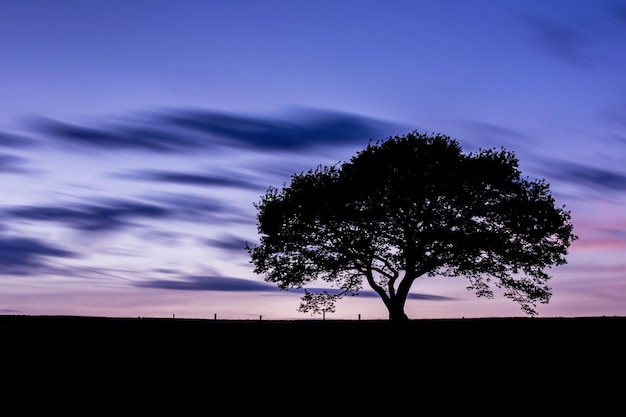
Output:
x=396 y=310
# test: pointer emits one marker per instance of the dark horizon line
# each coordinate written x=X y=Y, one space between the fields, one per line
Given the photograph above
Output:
x=215 y=318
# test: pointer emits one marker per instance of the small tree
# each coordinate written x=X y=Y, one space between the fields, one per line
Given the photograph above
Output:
x=316 y=303
x=410 y=207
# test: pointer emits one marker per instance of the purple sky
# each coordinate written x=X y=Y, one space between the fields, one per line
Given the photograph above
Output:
x=136 y=135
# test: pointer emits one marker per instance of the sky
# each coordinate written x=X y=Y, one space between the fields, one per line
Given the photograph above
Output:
x=137 y=135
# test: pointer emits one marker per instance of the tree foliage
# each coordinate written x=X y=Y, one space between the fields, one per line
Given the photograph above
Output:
x=318 y=303
x=410 y=207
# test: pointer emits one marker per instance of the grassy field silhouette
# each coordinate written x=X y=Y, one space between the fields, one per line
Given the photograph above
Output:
x=273 y=357
x=558 y=331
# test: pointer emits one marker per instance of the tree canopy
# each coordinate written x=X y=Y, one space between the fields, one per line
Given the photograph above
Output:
x=409 y=207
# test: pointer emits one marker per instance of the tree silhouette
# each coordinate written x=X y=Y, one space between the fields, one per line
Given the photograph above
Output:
x=316 y=303
x=410 y=207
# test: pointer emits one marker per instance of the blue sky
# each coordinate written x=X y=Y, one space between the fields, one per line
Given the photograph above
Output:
x=136 y=135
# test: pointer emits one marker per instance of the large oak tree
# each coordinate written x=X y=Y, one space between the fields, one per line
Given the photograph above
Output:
x=410 y=207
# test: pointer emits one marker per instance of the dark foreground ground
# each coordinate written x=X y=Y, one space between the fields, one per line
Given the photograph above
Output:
x=301 y=338
x=302 y=366
x=13 y=328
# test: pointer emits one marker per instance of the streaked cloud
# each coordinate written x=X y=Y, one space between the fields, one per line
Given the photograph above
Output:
x=187 y=130
x=133 y=137
x=91 y=217
x=13 y=164
x=231 y=284
x=116 y=214
x=591 y=177
x=233 y=180
x=9 y=140
x=226 y=242
x=27 y=256
x=297 y=130
x=208 y=283
x=208 y=209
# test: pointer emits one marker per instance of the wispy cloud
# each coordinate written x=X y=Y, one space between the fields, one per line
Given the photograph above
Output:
x=8 y=140
x=114 y=215
x=208 y=283
x=91 y=217
x=12 y=164
x=594 y=178
x=295 y=131
x=25 y=256
x=132 y=138
x=226 y=242
x=233 y=180
x=231 y=284
x=188 y=130
x=195 y=208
